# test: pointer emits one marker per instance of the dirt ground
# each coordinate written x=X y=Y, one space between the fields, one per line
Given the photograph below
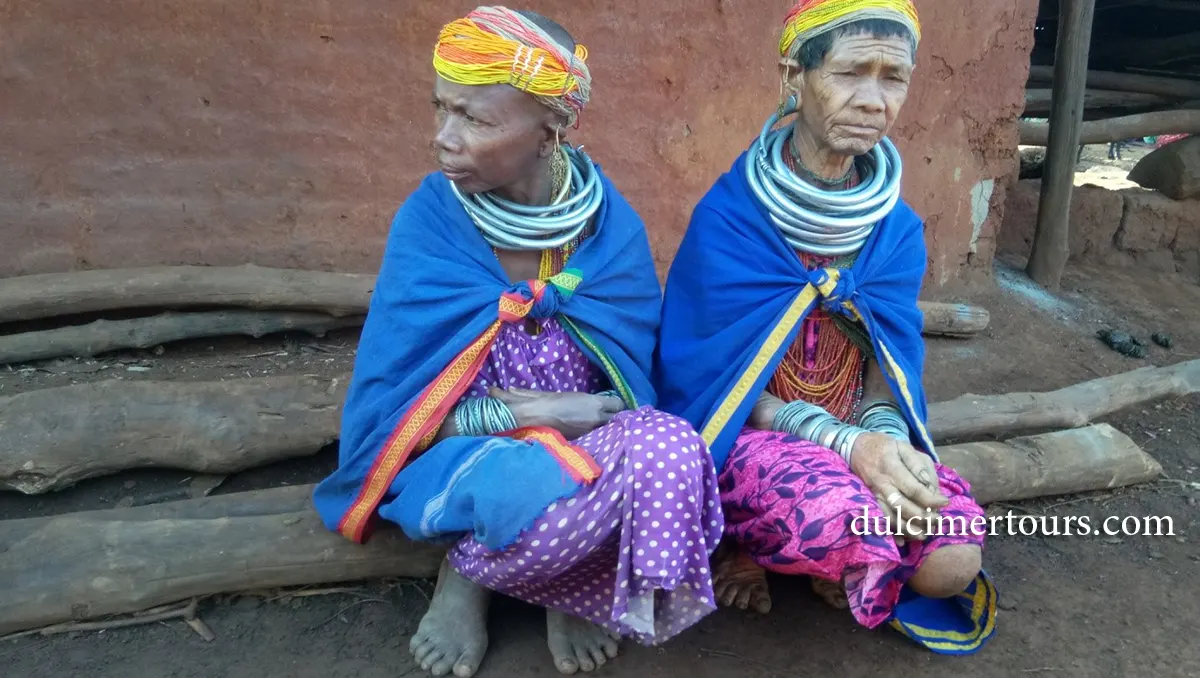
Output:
x=1095 y=167
x=1071 y=606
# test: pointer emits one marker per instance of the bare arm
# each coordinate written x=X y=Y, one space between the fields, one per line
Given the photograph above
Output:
x=875 y=386
x=524 y=412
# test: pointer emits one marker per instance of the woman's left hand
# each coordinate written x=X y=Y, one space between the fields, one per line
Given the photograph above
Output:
x=571 y=414
x=901 y=478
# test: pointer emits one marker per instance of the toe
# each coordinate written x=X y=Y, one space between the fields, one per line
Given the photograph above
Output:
x=442 y=667
x=761 y=601
x=728 y=595
x=566 y=666
x=469 y=662
x=610 y=647
x=421 y=650
x=743 y=597
x=584 y=658
x=597 y=653
x=433 y=657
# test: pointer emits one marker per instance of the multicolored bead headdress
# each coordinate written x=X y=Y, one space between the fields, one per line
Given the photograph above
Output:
x=811 y=18
x=495 y=45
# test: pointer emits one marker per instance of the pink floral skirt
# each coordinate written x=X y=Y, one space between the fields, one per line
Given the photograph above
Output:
x=792 y=506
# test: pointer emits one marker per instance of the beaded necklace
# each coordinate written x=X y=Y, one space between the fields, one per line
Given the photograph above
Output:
x=823 y=366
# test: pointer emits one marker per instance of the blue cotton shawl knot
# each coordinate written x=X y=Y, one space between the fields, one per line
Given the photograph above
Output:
x=837 y=288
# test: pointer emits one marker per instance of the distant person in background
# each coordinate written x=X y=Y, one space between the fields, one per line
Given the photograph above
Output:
x=1114 y=150
x=1164 y=139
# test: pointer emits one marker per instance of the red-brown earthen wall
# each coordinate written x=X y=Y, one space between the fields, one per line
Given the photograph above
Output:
x=286 y=134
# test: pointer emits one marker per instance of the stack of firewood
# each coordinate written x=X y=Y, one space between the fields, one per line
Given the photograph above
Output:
x=93 y=564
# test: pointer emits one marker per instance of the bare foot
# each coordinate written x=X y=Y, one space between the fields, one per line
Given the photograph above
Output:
x=739 y=581
x=832 y=592
x=453 y=633
x=577 y=644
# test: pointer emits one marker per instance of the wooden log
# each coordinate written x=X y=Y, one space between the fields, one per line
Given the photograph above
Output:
x=342 y=295
x=953 y=320
x=1186 y=121
x=1048 y=255
x=1097 y=457
x=1174 y=88
x=102 y=336
x=1014 y=413
x=53 y=438
x=50 y=295
x=1037 y=101
x=87 y=565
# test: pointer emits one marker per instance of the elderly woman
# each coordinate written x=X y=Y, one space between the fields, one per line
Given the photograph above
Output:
x=791 y=339
x=501 y=398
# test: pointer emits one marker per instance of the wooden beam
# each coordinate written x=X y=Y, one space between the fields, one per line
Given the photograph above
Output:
x=86 y=565
x=1118 y=129
x=953 y=320
x=52 y=438
x=50 y=295
x=1048 y=255
x=1097 y=457
x=970 y=415
x=345 y=296
x=103 y=336
x=1037 y=101
x=1172 y=88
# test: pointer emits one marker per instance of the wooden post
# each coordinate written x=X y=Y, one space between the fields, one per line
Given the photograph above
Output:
x=1050 y=241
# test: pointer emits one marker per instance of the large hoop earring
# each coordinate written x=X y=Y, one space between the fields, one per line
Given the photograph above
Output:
x=793 y=103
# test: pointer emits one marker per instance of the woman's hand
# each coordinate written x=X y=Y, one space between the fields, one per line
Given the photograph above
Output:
x=899 y=476
x=762 y=417
x=571 y=414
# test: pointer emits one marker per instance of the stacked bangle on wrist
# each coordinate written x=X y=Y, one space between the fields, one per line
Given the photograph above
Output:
x=485 y=416
x=886 y=418
x=814 y=424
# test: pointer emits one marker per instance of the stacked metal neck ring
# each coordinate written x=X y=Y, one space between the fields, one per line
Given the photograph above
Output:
x=813 y=220
x=512 y=226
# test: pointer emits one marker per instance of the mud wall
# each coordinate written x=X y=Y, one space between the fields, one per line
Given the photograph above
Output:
x=1126 y=228
x=286 y=134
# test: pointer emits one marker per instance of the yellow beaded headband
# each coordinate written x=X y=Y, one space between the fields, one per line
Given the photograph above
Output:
x=495 y=45
x=811 y=18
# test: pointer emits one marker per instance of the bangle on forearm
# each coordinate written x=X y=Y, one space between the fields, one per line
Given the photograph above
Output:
x=611 y=393
x=487 y=416
x=886 y=418
x=814 y=424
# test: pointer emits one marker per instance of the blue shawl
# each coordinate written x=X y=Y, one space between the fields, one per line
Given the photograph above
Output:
x=436 y=299
x=737 y=293
x=736 y=296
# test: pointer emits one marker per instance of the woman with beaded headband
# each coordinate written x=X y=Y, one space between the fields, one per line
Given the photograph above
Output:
x=791 y=338
x=501 y=400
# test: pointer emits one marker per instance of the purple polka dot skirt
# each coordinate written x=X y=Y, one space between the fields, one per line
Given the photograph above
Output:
x=631 y=551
